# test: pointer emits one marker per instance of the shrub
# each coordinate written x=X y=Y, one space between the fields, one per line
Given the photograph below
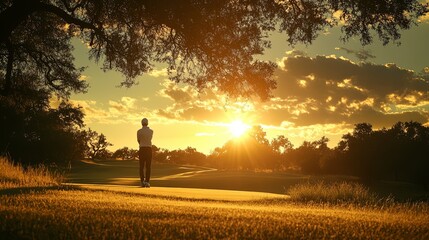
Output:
x=14 y=175
x=337 y=192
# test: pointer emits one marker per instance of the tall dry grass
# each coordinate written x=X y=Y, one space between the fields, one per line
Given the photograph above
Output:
x=336 y=192
x=105 y=214
x=15 y=175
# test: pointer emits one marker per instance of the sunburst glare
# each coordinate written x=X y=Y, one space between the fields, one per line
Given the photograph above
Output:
x=238 y=128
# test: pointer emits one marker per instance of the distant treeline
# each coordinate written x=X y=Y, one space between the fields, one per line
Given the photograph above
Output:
x=399 y=153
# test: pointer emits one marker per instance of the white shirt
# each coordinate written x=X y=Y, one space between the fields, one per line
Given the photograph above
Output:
x=144 y=136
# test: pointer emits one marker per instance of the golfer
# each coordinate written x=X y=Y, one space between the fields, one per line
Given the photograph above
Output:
x=144 y=138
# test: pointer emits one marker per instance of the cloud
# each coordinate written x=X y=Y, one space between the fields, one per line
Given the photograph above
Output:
x=424 y=18
x=91 y=111
x=330 y=89
x=381 y=119
x=125 y=110
x=203 y=106
x=295 y=53
x=128 y=101
x=325 y=77
x=124 y=106
x=316 y=95
x=316 y=131
x=175 y=92
x=201 y=113
x=159 y=73
x=83 y=77
x=362 y=55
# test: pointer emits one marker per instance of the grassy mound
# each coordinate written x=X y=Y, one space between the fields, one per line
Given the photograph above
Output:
x=15 y=175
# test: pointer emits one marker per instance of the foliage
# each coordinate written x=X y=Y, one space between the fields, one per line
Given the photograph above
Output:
x=178 y=156
x=188 y=156
x=281 y=144
x=125 y=154
x=131 y=36
x=14 y=175
x=309 y=154
x=96 y=145
x=33 y=132
x=395 y=154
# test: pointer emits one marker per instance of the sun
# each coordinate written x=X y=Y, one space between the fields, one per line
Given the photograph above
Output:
x=237 y=128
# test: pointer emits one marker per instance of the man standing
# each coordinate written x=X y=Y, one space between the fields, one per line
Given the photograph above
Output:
x=144 y=138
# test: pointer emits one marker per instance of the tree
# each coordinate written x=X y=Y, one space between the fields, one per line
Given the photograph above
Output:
x=125 y=153
x=187 y=156
x=97 y=144
x=32 y=132
x=310 y=156
x=398 y=153
x=159 y=154
x=258 y=134
x=203 y=43
x=281 y=144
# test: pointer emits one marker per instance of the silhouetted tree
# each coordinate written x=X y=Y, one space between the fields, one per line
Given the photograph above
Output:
x=410 y=161
x=97 y=144
x=281 y=144
x=32 y=132
x=187 y=156
x=399 y=153
x=308 y=157
x=159 y=154
x=125 y=153
x=281 y=147
x=358 y=150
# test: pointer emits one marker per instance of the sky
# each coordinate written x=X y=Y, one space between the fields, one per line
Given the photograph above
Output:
x=323 y=89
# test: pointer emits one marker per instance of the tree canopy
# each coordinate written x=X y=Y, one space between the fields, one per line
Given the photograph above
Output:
x=203 y=43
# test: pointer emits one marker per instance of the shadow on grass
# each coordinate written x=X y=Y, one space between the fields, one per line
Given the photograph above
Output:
x=44 y=189
x=38 y=189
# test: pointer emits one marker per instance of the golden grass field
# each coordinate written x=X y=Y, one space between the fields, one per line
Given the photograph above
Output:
x=90 y=210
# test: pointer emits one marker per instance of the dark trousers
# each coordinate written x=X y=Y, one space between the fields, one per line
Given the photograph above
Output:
x=145 y=160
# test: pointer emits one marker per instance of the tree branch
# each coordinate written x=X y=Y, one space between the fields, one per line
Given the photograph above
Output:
x=67 y=17
x=9 y=69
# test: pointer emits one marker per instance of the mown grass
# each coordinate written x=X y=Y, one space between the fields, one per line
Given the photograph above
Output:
x=38 y=211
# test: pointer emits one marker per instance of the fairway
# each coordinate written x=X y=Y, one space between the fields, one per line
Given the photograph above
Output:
x=169 y=175
x=125 y=173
